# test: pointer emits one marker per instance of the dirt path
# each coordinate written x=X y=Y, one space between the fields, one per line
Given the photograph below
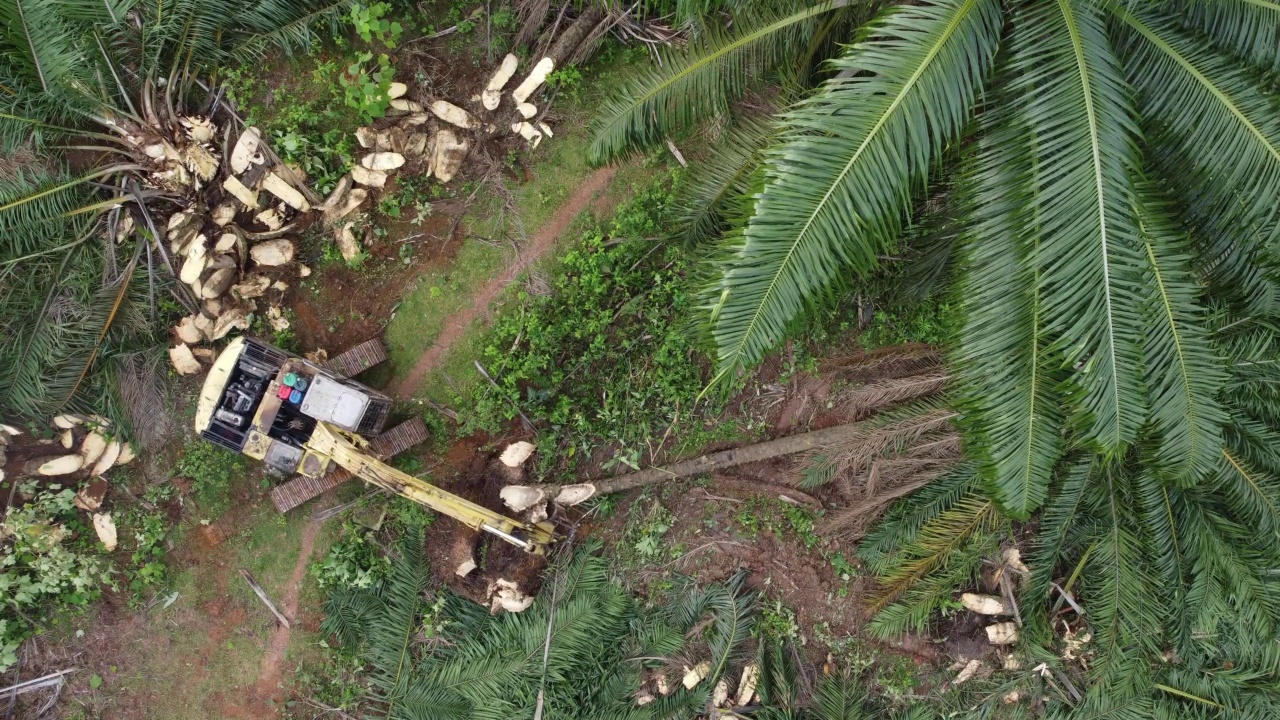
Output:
x=270 y=674
x=539 y=244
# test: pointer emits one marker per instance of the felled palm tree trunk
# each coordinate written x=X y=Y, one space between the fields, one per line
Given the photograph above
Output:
x=522 y=497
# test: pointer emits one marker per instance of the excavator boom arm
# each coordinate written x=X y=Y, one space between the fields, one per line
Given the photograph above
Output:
x=333 y=442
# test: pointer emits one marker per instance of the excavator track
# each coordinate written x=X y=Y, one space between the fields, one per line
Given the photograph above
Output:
x=387 y=445
x=358 y=359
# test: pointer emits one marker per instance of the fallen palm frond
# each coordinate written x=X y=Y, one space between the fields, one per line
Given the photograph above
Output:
x=883 y=363
x=885 y=438
x=144 y=397
x=548 y=656
x=862 y=401
x=935 y=546
x=852 y=522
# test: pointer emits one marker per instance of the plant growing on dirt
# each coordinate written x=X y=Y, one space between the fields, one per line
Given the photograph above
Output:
x=601 y=358
x=493 y=666
x=148 y=531
x=212 y=470
x=365 y=85
x=355 y=561
x=41 y=571
x=370 y=23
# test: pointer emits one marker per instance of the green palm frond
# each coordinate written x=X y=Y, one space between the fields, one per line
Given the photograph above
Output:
x=1232 y=256
x=701 y=83
x=347 y=613
x=918 y=605
x=1058 y=535
x=392 y=630
x=1248 y=28
x=722 y=178
x=1229 y=598
x=938 y=544
x=840 y=697
x=286 y=24
x=902 y=524
x=1215 y=130
x=1184 y=375
x=63 y=325
x=1256 y=495
x=38 y=209
x=1118 y=587
x=105 y=309
x=732 y=609
x=1008 y=370
x=40 y=44
x=1075 y=103
x=1160 y=508
x=841 y=178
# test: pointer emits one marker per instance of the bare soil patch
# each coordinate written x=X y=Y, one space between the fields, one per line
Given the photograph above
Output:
x=269 y=678
x=339 y=307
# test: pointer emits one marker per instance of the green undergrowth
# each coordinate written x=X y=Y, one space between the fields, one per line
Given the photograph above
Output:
x=211 y=470
x=601 y=359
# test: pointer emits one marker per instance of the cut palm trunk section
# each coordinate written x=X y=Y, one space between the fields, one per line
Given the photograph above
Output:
x=523 y=497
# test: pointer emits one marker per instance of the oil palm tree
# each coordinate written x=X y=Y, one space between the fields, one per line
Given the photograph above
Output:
x=1106 y=171
x=549 y=660
x=79 y=257
x=1112 y=166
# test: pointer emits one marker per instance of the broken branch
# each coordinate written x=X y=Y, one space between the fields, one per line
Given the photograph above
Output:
x=262 y=595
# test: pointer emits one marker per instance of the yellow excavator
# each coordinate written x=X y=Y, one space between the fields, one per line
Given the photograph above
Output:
x=310 y=419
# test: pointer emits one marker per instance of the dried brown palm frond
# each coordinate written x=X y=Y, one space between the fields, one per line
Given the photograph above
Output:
x=145 y=397
x=921 y=433
x=852 y=522
x=945 y=446
x=881 y=363
x=906 y=463
x=888 y=473
x=854 y=455
x=531 y=14
x=860 y=402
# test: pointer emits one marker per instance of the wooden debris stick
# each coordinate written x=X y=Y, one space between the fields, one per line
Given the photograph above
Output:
x=1006 y=588
x=262 y=595
x=37 y=683
x=676 y=152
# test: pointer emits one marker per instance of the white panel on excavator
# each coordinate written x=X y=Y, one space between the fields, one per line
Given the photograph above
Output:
x=330 y=401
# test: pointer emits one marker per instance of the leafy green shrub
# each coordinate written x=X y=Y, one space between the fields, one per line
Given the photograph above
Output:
x=365 y=85
x=40 y=571
x=601 y=359
x=211 y=469
x=370 y=22
x=352 y=562
x=148 y=531
x=568 y=80
x=308 y=123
